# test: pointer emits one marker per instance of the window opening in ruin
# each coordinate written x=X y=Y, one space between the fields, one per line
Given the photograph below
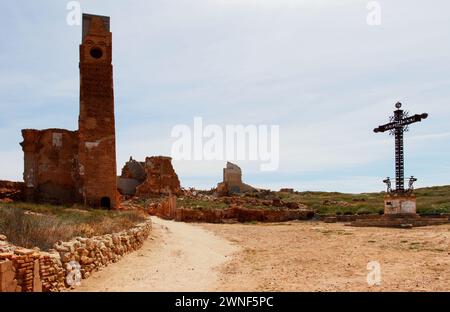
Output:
x=96 y=53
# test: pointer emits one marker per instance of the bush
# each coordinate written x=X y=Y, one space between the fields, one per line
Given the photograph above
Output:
x=363 y=211
x=32 y=230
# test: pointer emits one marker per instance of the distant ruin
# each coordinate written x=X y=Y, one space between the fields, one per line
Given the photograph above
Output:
x=66 y=167
x=154 y=177
x=232 y=181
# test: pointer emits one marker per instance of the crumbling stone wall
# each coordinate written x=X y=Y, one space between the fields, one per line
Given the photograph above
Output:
x=97 y=141
x=232 y=181
x=30 y=270
x=161 y=178
x=133 y=174
x=64 y=167
x=50 y=165
x=167 y=209
x=134 y=169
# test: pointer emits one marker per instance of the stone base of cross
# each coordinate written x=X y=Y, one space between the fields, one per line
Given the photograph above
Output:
x=399 y=204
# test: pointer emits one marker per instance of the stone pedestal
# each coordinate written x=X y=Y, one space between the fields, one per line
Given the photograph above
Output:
x=399 y=204
x=399 y=212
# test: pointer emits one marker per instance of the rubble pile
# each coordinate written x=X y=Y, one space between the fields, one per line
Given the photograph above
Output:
x=167 y=209
x=11 y=191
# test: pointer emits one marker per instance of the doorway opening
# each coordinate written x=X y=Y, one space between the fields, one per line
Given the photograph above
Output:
x=105 y=202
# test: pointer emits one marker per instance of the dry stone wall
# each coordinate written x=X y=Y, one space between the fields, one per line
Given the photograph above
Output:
x=28 y=270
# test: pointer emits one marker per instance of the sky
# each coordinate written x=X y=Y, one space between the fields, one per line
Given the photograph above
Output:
x=315 y=68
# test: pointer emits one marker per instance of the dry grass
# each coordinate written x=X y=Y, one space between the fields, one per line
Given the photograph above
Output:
x=31 y=225
x=430 y=200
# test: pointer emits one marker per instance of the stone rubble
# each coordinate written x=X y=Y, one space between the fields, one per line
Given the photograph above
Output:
x=232 y=181
x=167 y=209
x=11 y=191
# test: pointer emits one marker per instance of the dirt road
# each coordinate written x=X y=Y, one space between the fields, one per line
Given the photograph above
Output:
x=177 y=257
x=291 y=256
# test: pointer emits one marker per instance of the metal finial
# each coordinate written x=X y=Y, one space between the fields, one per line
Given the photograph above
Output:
x=398 y=105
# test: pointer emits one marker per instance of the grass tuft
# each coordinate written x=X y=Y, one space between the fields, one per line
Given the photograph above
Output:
x=35 y=225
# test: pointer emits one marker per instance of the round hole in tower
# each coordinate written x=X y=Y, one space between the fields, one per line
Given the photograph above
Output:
x=96 y=53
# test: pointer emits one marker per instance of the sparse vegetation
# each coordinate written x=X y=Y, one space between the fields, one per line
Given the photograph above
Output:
x=194 y=203
x=34 y=225
x=431 y=200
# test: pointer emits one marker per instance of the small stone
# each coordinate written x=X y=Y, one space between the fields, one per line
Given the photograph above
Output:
x=23 y=251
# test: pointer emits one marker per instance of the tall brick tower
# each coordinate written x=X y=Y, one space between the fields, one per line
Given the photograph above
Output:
x=97 y=140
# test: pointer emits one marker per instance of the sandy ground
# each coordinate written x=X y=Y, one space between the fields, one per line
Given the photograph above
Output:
x=176 y=257
x=314 y=256
x=294 y=256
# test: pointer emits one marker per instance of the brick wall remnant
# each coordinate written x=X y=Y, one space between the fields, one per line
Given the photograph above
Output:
x=96 y=126
x=134 y=169
x=66 y=167
x=161 y=178
x=133 y=174
x=50 y=165
x=167 y=209
x=232 y=181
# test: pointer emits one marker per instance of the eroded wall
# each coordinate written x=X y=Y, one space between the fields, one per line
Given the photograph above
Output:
x=97 y=141
x=64 y=167
x=161 y=178
x=50 y=165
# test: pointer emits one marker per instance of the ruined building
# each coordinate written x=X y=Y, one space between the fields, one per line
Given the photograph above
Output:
x=64 y=167
x=232 y=181
x=154 y=177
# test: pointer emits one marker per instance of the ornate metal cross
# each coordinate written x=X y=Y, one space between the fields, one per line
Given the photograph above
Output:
x=399 y=123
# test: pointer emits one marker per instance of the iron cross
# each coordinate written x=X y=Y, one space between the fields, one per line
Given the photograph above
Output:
x=397 y=126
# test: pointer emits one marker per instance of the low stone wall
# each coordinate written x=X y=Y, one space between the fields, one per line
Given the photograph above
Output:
x=400 y=221
x=35 y=270
x=272 y=215
x=167 y=210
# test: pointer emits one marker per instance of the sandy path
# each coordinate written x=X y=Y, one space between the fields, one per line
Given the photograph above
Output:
x=317 y=256
x=177 y=257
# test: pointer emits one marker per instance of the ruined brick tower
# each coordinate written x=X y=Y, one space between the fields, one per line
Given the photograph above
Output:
x=96 y=133
x=66 y=167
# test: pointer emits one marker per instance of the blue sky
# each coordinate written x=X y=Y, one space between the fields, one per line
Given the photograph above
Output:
x=313 y=67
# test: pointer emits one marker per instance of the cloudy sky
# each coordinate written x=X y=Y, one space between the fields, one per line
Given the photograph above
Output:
x=313 y=67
